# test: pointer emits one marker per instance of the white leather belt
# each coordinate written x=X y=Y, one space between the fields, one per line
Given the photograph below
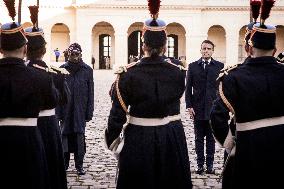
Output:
x=46 y=113
x=153 y=121
x=18 y=122
x=261 y=123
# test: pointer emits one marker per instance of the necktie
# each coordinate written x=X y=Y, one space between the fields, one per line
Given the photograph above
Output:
x=205 y=63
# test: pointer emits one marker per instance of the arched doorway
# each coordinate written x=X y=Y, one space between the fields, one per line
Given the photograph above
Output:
x=172 y=46
x=217 y=35
x=135 y=51
x=105 y=51
x=242 y=53
x=134 y=46
x=102 y=48
x=279 y=39
x=176 y=41
x=60 y=39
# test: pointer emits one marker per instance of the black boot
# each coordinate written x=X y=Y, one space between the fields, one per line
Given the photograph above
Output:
x=81 y=171
x=199 y=170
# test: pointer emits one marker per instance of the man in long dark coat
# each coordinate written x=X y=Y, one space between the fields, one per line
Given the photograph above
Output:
x=79 y=110
x=200 y=92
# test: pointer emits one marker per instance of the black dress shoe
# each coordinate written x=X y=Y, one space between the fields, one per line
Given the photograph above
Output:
x=200 y=170
x=210 y=170
x=81 y=172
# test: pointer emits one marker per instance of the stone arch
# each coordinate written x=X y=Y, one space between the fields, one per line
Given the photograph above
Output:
x=134 y=34
x=279 y=39
x=217 y=35
x=103 y=40
x=241 y=47
x=60 y=38
x=176 y=35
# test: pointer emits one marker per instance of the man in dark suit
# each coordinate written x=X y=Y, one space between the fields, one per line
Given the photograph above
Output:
x=199 y=95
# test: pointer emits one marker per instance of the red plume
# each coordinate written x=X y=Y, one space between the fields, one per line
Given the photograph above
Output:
x=10 y=4
x=255 y=8
x=266 y=6
x=34 y=14
x=154 y=6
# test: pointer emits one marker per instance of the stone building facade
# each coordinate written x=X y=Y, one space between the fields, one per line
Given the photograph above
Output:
x=112 y=29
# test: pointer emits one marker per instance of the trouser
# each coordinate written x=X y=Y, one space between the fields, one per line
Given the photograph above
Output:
x=74 y=143
x=202 y=129
x=56 y=57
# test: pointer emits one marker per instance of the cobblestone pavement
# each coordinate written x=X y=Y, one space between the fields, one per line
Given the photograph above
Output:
x=100 y=163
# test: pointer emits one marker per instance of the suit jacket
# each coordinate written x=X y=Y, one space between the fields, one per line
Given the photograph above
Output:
x=201 y=87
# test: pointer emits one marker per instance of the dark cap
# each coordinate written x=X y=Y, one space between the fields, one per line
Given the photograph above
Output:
x=75 y=47
x=34 y=34
x=35 y=38
x=263 y=37
x=154 y=30
x=154 y=33
x=12 y=36
x=248 y=32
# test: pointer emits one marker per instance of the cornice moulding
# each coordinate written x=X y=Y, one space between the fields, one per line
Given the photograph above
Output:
x=171 y=7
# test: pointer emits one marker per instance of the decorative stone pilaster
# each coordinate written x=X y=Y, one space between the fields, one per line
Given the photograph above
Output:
x=121 y=49
x=47 y=36
x=232 y=46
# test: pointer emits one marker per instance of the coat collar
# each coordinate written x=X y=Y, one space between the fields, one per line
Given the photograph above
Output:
x=12 y=61
x=212 y=61
x=158 y=60
x=38 y=62
x=262 y=60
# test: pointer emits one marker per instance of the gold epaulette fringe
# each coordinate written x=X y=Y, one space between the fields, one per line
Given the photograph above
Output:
x=60 y=70
x=225 y=70
x=122 y=69
x=178 y=66
x=52 y=69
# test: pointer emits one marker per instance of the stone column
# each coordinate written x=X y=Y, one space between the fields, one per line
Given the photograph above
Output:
x=49 y=51
x=84 y=38
x=121 y=49
x=232 y=46
x=193 y=44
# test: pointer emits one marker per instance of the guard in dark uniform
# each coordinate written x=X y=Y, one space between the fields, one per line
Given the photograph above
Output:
x=22 y=161
x=47 y=121
x=254 y=94
x=228 y=169
x=155 y=152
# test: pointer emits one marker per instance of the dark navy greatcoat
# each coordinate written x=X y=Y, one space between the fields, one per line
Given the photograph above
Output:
x=152 y=156
x=50 y=132
x=24 y=91
x=256 y=92
x=80 y=108
x=201 y=87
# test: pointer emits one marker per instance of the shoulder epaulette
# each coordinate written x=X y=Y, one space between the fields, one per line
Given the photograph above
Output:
x=47 y=69
x=171 y=63
x=122 y=69
x=60 y=70
x=227 y=69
